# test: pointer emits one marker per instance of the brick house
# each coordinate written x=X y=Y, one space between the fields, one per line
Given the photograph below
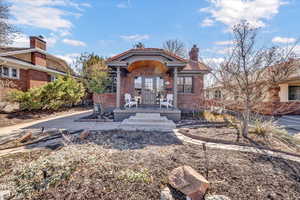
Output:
x=280 y=100
x=148 y=75
x=25 y=68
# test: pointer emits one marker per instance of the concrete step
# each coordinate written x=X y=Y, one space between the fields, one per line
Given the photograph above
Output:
x=148 y=122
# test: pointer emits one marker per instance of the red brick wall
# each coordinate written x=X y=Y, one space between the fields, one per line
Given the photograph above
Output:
x=196 y=99
x=37 y=78
x=19 y=84
x=38 y=59
x=107 y=100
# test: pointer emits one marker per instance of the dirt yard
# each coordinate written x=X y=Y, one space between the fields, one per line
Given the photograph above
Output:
x=23 y=117
x=134 y=165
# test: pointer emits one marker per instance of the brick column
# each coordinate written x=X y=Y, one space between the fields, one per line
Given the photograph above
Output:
x=118 y=87
x=175 y=87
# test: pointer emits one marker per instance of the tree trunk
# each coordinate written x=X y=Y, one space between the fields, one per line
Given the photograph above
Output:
x=245 y=124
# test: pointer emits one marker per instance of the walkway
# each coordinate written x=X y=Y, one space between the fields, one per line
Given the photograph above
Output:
x=236 y=147
x=62 y=122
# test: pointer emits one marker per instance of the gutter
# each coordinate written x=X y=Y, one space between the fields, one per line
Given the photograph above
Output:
x=31 y=66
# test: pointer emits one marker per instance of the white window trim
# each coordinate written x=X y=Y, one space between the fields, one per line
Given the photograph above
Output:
x=10 y=73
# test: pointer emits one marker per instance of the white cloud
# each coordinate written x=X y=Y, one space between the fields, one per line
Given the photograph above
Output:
x=228 y=42
x=22 y=40
x=124 y=4
x=207 y=22
x=213 y=61
x=75 y=43
x=135 y=38
x=231 y=12
x=69 y=58
x=283 y=40
x=45 y=14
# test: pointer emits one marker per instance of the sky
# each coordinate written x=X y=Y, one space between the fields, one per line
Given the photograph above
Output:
x=109 y=27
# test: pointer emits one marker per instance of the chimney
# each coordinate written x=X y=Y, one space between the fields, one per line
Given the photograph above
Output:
x=194 y=53
x=38 y=58
x=38 y=42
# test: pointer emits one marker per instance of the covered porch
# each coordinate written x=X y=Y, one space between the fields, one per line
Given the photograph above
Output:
x=148 y=77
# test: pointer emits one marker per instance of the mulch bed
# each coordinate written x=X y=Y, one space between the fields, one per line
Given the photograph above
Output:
x=29 y=116
x=135 y=166
x=229 y=136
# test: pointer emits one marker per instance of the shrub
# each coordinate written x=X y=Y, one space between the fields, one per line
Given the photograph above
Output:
x=267 y=128
x=52 y=96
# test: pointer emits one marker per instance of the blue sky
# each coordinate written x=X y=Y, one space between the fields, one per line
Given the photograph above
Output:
x=108 y=27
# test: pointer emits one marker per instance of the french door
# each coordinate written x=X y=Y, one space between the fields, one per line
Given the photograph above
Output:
x=149 y=88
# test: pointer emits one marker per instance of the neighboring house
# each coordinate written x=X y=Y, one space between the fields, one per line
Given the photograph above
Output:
x=284 y=99
x=25 y=68
x=148 y=75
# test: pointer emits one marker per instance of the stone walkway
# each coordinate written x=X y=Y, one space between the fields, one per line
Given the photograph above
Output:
x=236 y=147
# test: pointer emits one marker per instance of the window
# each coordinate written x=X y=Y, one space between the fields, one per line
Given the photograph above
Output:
x=52 y=78
x=218 y=94
x=14 y=73
x=112 y=86
x=185 y=84
x=9 y=72
x=294 y=93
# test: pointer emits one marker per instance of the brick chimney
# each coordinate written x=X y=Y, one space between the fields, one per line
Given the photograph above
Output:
x=38 y=58
x=194 y=53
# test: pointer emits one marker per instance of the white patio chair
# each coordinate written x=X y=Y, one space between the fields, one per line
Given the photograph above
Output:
x=168 y=102
x=129 y=101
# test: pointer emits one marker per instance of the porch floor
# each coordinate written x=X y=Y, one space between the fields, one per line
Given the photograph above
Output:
x=123 y=113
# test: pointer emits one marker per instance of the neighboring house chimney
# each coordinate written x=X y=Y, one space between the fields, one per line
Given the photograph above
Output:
x=38 y=58
x=194 y=53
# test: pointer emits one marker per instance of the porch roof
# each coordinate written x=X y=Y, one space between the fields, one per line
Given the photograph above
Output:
x=171 y=60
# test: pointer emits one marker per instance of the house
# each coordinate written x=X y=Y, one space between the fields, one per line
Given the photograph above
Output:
x=25 y=68
x=148 y=75
x=280 y=100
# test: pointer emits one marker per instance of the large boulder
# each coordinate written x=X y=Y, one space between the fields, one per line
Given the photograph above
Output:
x=189 y=182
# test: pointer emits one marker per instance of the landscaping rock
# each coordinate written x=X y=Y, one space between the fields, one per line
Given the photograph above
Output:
x=8 y=107
x=85 y=134
x=189 y=182
x=217 y=197
x=26 y=137
x=166 y=194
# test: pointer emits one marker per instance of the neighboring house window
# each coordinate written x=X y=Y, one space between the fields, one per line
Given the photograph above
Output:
x=207 y=95
x=9 y=72
x=294 y=93
x=218 y=94
x=53 y=78
x=185 y=84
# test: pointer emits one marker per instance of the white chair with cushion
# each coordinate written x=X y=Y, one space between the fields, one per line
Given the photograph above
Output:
x=129 y=101
x=168 y=102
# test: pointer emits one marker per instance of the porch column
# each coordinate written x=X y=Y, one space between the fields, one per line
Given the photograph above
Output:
x=175 y=87
x=118 y=87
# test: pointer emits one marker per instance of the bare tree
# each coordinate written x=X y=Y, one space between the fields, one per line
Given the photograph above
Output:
x=249 y=72
x=6 y=29
x=176 y=47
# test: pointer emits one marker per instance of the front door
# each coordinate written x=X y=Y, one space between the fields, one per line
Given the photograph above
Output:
x=149 y=90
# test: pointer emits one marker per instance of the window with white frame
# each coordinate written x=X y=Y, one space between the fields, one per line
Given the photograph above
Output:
x=52 y=78
x=9 y=72
x=294 y=93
